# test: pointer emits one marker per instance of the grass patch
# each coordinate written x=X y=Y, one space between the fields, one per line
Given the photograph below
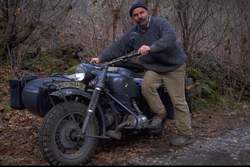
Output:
x=44 y=63
x=206 y=91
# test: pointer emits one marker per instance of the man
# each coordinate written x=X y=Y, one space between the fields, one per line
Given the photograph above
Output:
x=164 y=61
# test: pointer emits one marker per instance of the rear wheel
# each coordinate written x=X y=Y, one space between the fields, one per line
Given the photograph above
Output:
x=60 y=138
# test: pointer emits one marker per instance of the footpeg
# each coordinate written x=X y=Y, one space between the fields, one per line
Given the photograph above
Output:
x=114 y=134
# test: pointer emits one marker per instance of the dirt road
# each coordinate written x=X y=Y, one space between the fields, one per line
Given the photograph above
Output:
x=222 y=138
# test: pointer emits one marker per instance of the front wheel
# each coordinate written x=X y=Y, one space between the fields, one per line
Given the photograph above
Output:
x=60 y=138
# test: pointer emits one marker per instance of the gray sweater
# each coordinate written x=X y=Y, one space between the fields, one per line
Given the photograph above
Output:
x=166 y=52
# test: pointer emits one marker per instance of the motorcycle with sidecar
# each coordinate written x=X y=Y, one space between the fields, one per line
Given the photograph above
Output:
x=96 y=102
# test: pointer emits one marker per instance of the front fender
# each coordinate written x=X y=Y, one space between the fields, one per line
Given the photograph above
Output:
x=63 y=93
x=69 y=92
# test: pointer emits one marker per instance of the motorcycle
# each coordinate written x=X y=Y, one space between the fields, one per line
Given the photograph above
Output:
x=97 y=102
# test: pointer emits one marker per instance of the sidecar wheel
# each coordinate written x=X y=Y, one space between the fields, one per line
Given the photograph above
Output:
x=59 y=137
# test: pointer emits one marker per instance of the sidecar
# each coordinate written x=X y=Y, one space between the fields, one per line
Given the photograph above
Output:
x=29 y=92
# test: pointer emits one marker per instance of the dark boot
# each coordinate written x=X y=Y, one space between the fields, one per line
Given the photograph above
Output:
x=156 y=122
x=181 y=140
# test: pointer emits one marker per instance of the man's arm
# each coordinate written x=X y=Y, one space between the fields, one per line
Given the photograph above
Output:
x=168 y=37
x=117 y=49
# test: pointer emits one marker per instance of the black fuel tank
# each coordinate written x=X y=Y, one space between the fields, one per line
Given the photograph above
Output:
x=121 y=82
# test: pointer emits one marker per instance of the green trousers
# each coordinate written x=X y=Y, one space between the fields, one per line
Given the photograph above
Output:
x=174 y=82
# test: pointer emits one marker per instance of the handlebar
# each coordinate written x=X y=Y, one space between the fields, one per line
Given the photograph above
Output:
x=119 y=59
x=122 y=58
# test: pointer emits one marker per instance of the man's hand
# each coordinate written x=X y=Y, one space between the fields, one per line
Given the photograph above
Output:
x=95 y=60
x=144 y=50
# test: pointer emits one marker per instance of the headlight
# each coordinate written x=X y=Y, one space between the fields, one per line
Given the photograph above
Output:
x=88 y=70
x=77 y=76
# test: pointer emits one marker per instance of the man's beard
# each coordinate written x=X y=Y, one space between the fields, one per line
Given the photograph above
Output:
x=143 y=23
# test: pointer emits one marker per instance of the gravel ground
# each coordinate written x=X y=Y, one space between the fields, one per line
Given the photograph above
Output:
x=233 y=148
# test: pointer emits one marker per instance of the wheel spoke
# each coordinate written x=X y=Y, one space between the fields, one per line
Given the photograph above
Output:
x=68 y=124
x=73 y=117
